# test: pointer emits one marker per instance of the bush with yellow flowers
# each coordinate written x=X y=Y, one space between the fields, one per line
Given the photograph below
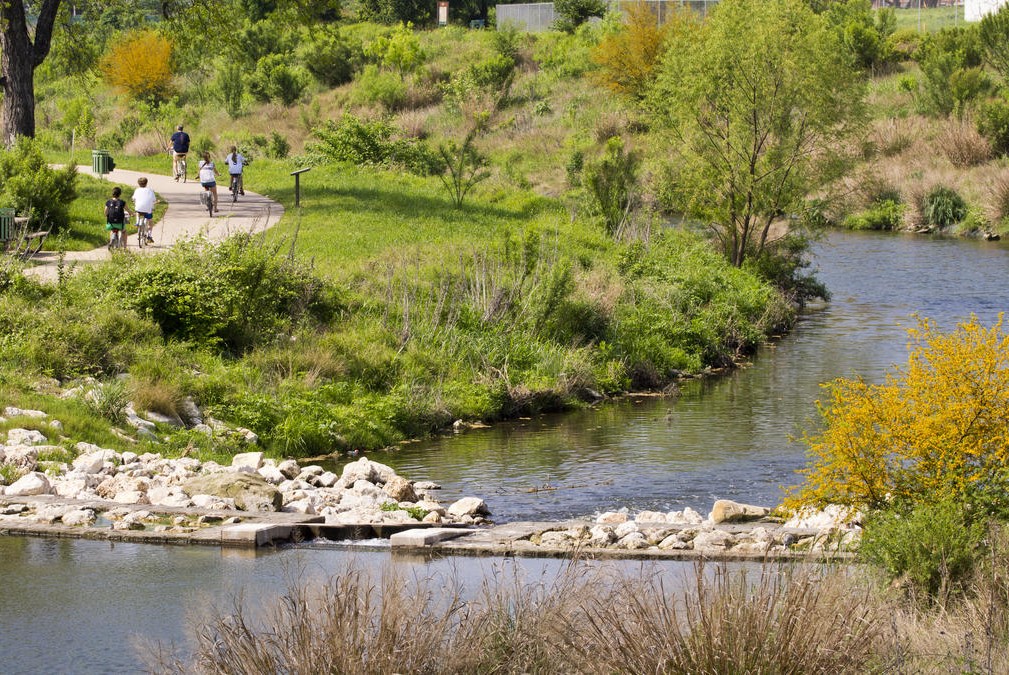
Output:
x=141 y=66
x=935 y=430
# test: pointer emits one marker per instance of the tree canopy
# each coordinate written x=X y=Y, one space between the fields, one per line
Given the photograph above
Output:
x=759 y=99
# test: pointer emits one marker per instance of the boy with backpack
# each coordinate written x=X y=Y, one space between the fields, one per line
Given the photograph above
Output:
x=115 y=219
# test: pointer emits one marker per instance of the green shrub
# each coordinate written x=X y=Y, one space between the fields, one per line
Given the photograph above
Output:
x=274 y=79
x=237 y=294
x=30 y=186
x=904 y=43
x=931 y=549
x=993 y=33
x=383 y=87
x=370 y=143
x=330 y=58
x=610 y=184
x=942 y=207
x=886 y=214
x=108 y=400
x=277 y=147
x=993 y=123
x=231 y=88
x=573 y=13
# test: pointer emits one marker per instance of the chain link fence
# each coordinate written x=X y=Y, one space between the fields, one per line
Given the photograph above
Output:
x=924 y=15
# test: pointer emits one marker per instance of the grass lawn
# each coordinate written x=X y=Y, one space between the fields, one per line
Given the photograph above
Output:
x=929 y=19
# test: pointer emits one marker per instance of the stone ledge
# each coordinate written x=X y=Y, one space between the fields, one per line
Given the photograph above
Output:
x=425 y=537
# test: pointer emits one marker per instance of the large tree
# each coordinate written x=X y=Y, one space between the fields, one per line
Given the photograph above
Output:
x=759 y=98
x=20 y=54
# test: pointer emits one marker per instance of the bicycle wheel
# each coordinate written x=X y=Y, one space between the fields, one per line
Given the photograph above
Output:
x=182 y=169
x=234 y=189
x=140 y=232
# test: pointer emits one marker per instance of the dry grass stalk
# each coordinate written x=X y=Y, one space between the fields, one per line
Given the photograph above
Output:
x=963 y=145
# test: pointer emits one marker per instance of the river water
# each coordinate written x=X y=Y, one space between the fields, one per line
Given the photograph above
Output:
x=79 y=606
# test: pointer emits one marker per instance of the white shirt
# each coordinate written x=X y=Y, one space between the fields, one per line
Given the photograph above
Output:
x=143 y=199
x=235 y=167
x=207 y=173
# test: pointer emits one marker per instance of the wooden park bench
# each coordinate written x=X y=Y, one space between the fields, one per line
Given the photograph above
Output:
x=15 y=237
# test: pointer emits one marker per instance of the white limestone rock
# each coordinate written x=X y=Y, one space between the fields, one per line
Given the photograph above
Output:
x=272 y=474
x=300 y=506
x=400 y=489
x=625 y=528
x=131 y=497
x=11 y=411
x=190 y=412
x=612 y=517
x=289 y=468
x=159 y=418
x=712 y=541
x=25 y=437
x=251 y=460
x=248 y=436
x=23 y=457
x=365 y=469
x=633 y=541
x=469 y=506
x=727 y=511
x=33 y=483
x=326 y=479
x=831 y=516
x=93 y=462
x=212 y=502
x=601 y=536
x=79 y=518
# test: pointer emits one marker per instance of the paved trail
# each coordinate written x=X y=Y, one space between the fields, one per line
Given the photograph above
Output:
x=184 y=218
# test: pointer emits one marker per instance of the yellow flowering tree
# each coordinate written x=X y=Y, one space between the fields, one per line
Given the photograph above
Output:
x=140 y=66
x=936 y=429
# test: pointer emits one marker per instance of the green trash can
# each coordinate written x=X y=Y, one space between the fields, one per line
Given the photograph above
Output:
x=100 y=161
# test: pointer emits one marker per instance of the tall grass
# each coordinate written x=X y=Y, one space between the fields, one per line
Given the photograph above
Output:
x=782 y=620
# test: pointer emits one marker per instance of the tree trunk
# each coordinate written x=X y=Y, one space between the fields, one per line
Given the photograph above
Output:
x=19 y=57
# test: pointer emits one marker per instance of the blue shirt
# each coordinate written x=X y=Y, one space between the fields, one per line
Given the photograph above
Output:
x=180 y=141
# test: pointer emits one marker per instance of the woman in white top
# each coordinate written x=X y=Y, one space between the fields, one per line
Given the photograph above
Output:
x=236 y=162
x=208 y=177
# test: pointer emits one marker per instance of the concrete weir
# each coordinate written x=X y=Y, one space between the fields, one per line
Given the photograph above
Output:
x=26 y=516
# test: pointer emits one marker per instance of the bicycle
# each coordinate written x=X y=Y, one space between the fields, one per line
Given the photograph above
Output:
x=180 y=167
x=207 y=200
x=143 y=231
x=236 y=186
x=118 y=239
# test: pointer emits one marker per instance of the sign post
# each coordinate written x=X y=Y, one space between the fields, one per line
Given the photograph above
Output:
x=442 y=13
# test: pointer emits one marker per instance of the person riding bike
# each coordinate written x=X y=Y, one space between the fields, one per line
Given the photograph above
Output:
x=144 y=200
x=179 y=145
x=236 y=162
x=208 y=177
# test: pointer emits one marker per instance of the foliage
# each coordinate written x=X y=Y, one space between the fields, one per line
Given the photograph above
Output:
x=370 y=143
x=993 y=33
x=754 y=98
x=942 y=206
x=935 y=430
x=330 y=57
x=963 y=144
x=931 y=549
x=566 y=54
x=108 y=400
x=628 y=58
x=29 y=185
x=379 y=86
x=231 y=88
x=397 y=11
x=952 y=77
x=140 y=65
x=886 y=214
x=993 y=123
x=238 y=294
x=398 y=50
x=686 y=308
x=610 y=185
x=463 y=167
x=573 y=13
x=864 y=34
x=274 y=79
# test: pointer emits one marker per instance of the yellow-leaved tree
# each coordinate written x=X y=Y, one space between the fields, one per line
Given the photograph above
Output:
x=141 y=66
x=628 y=57
x=934 y=430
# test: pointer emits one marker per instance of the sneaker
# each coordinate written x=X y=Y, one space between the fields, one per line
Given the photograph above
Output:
x=150 y=239
x=241 y=192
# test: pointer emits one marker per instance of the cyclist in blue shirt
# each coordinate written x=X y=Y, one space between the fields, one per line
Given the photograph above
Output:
x=179 y=145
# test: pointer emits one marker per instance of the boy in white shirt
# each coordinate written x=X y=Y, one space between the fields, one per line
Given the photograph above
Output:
x=236 y=162
x=144 y=200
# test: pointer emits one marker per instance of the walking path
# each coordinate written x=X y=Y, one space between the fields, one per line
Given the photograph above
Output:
x=185 y=218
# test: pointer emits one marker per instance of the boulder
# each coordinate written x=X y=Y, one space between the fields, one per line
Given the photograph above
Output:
x=469 y=506
x=170 y=420
x=190 y=412
x=33 y=483
x=612 y=518
x=250 y=491
x=713 y=541
x=79 y=518
x=289 y=468
x=25 y=437
x=24 y=458
x=252 y=460
x=365 y=469
x=11 y=411
x=272 y=474
x=400 y=489
x=726 y=511
x=93 y=462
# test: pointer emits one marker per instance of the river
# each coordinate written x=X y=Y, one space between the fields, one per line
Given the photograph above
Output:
x=79 y=606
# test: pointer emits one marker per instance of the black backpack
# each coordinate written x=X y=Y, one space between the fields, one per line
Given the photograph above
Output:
x=117 y=211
